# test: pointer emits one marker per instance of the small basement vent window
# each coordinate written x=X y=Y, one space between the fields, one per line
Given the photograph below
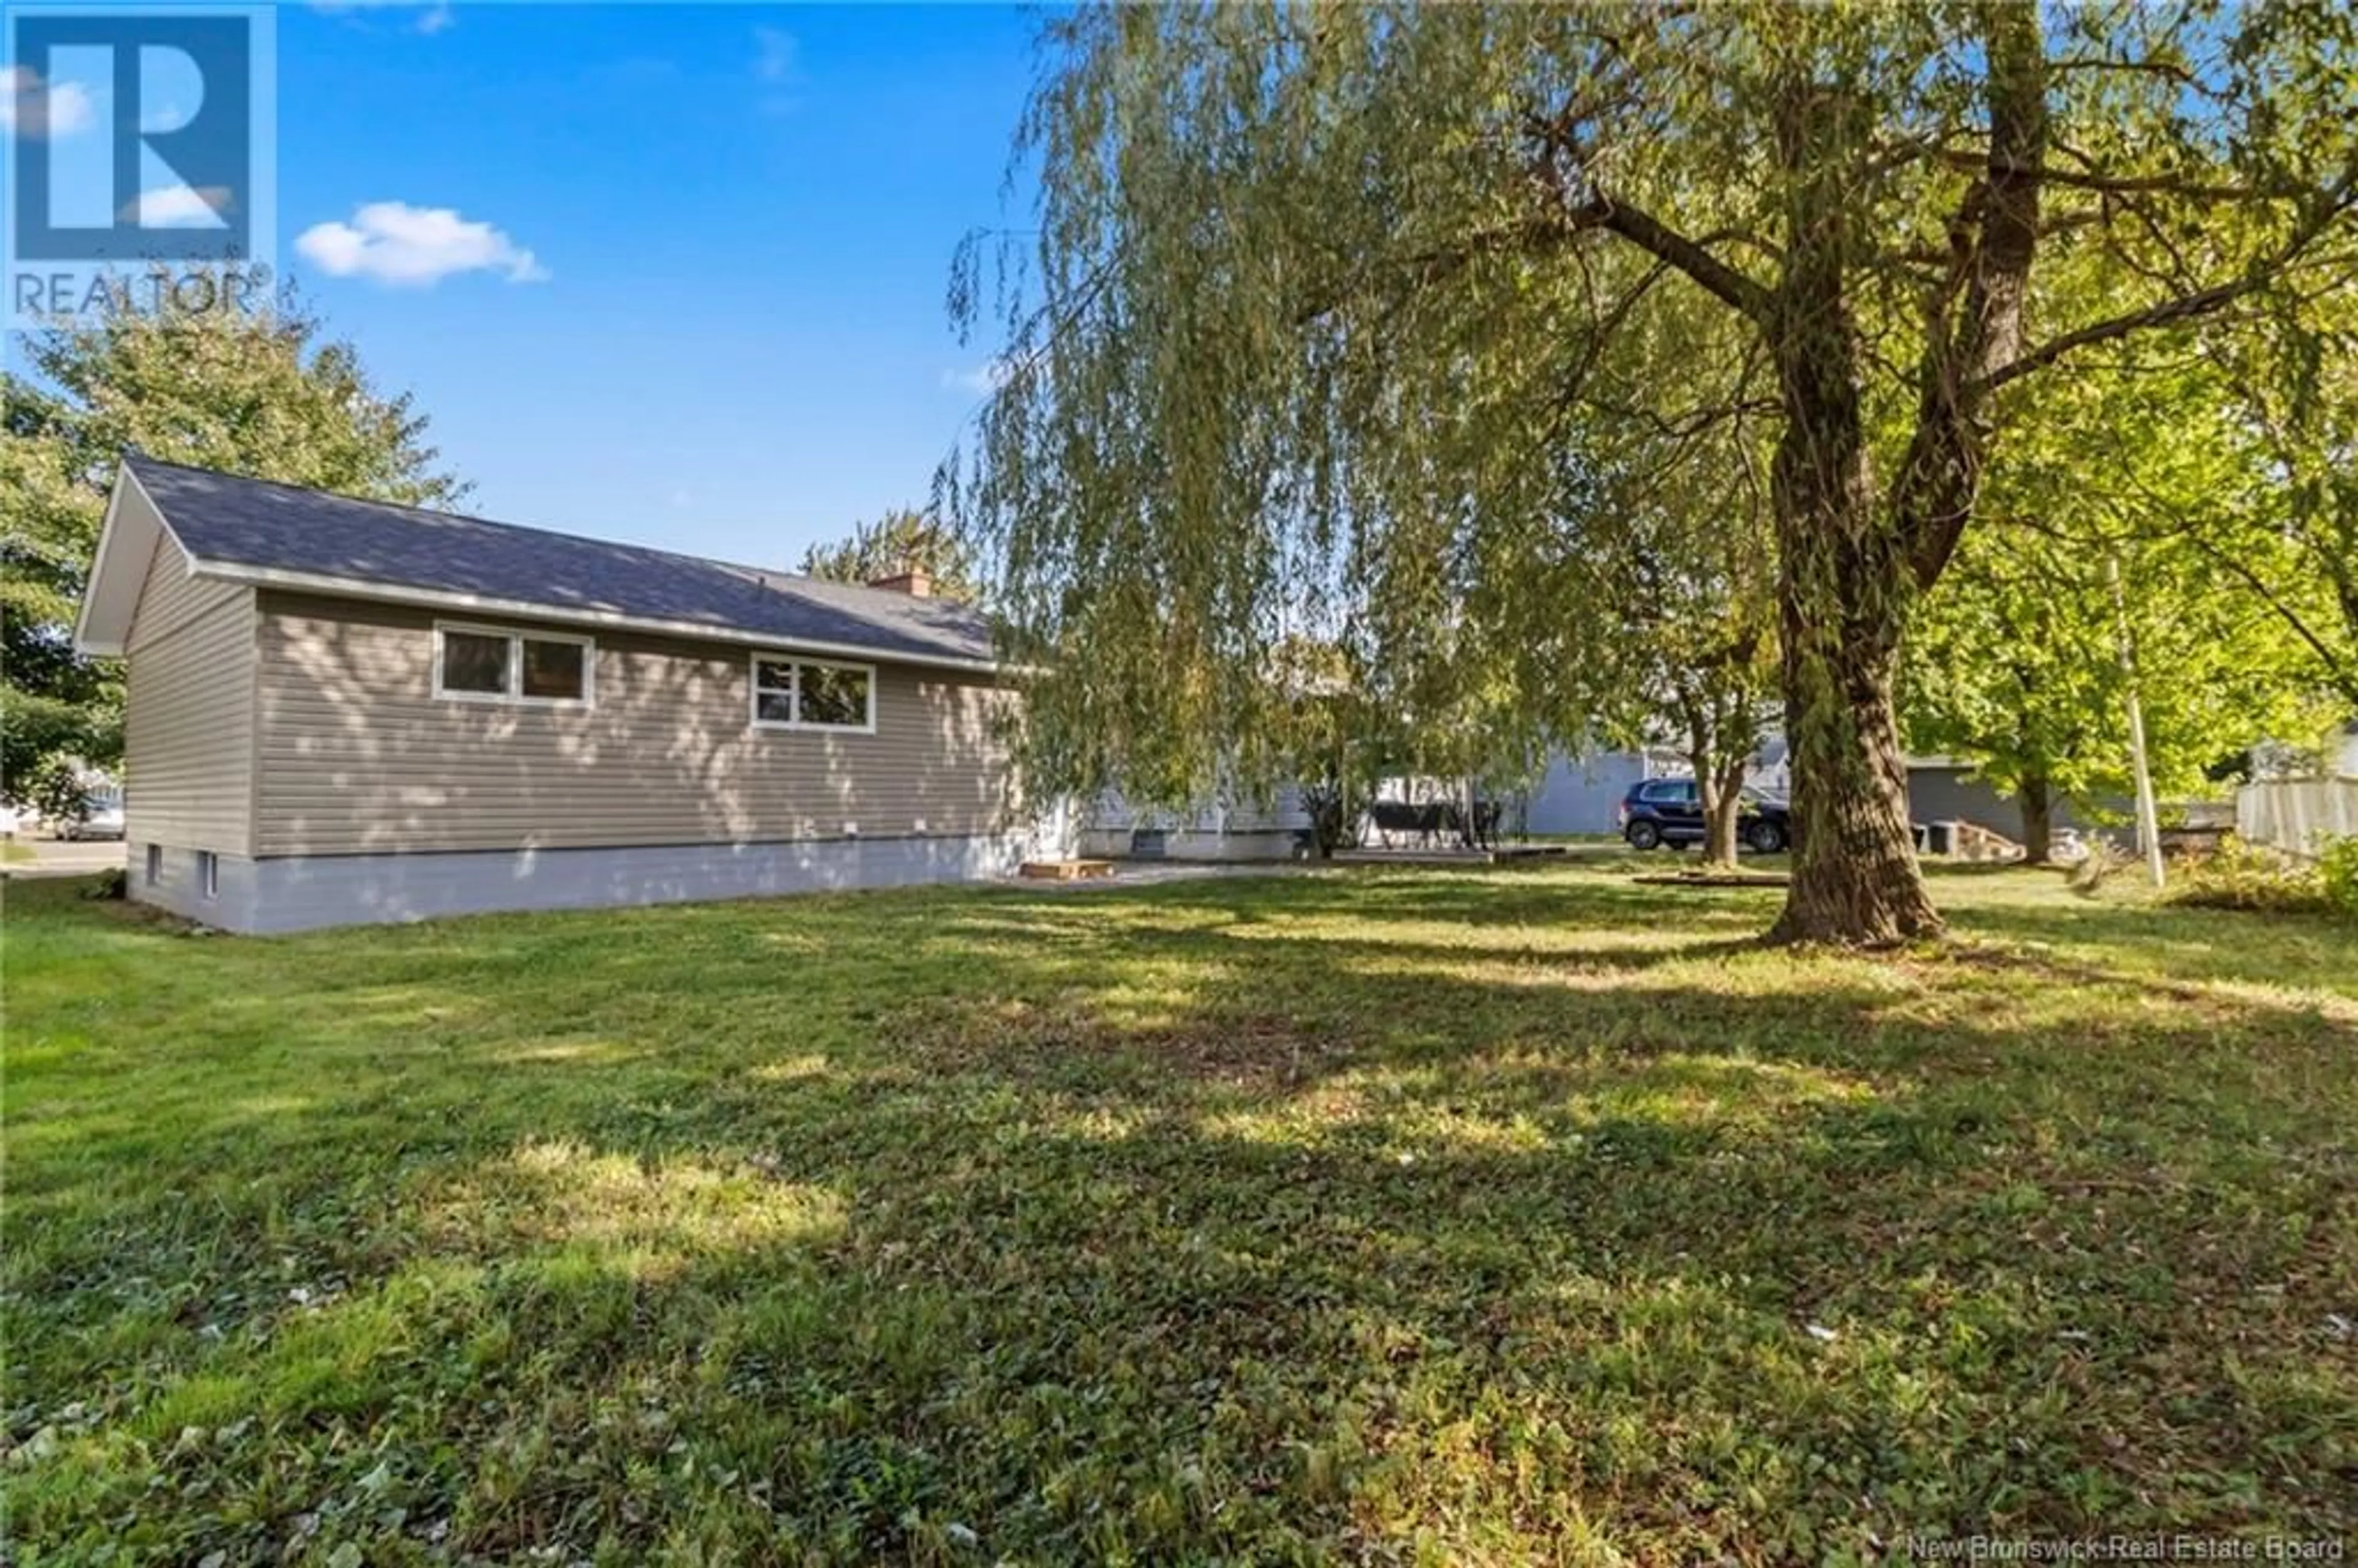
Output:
x=810 y=694
x=487 y=663
x=208 y=873
x=155 y=864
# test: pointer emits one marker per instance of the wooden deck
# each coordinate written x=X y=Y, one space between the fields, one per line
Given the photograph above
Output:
x=1065 y=871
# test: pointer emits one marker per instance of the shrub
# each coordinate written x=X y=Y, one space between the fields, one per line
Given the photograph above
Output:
x=2337 y=872
x=2246 y=876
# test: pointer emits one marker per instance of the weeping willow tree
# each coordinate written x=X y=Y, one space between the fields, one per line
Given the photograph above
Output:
x=1319 y=295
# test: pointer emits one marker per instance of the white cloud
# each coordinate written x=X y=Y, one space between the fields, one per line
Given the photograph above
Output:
x=433 y=16
x=777 y=55
x=182 y=207
x=778 y=67
x=396 y=244
x=37 y=110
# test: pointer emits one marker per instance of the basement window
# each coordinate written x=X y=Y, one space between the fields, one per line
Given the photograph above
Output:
x=813 y=694
x=208 y=873
x=491 y=664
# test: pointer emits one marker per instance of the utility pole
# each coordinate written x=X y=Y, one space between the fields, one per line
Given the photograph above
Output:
x=2149 y=814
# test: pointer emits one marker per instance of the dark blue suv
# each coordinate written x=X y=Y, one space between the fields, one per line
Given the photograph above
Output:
x=1669 y=811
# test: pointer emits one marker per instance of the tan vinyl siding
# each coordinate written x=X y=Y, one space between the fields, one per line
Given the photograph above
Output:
x=358 y=755
x=188 y=719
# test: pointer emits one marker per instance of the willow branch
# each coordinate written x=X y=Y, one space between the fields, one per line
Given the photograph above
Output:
x=2127 y=184
x=2334 y=208
x=2184 y=308
x=1995 y=236
x=1648 y=234
x=1583 y=210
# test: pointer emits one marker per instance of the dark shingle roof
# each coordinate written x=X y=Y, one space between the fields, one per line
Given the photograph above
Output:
x=223 y=520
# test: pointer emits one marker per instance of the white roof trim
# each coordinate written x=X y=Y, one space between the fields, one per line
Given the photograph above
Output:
x=127 y=539
x=522 y=610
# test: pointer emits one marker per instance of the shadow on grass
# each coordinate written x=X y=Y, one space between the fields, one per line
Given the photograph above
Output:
x=2144 y=941
x=1263 y=1221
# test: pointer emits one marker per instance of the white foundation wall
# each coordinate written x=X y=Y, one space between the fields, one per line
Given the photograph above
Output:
x=307 y=892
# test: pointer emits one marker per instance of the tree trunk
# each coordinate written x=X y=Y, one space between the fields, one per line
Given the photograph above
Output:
x=2038 y=820
x=1856 y=880
x=1329 y=812
x=1706 y=757
x=1843 y=576
x=1719 y=784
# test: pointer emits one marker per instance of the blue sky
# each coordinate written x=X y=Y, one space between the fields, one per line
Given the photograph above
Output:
x=706 y=310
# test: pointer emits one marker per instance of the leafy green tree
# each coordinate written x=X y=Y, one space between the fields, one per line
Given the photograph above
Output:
x=2015 y=663
x=1317 y=292
x=1684 y=602
x=2294 y=386
x=1335 y=746
x=1717 y=702
x=55 y=701
x=898 y=542
x=2018 y=669
x=59 y=789
x=252 y=393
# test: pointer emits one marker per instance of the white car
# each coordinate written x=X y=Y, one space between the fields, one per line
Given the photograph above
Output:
x=99 y=819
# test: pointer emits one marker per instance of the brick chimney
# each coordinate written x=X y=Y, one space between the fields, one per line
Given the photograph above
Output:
x=915 y=584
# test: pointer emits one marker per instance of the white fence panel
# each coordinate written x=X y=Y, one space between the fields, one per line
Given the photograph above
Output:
x=2298 y=816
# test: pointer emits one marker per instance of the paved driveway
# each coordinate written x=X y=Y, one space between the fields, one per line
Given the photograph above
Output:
x=53 y=858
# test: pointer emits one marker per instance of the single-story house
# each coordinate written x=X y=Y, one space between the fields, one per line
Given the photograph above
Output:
x=342 y=711
x=1581 y=789
x=1947 y=789
x=1217 y=830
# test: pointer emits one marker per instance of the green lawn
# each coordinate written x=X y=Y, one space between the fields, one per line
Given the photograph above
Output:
x=1521 y=1216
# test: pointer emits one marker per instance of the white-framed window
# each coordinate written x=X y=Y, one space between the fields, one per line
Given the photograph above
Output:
x=499 y=663
x=793 y=693
x=208 y=873
x=155 y=867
